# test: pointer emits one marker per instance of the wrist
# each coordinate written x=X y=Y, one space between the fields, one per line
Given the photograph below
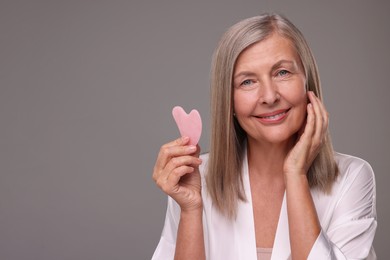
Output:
x=191 y=213
x=294 y=173
x=295 y=179
x=191 y=216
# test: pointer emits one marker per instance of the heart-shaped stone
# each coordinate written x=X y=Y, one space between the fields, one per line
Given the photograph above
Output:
x=189 y=124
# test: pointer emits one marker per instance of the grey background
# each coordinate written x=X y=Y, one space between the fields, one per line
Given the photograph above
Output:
x=86 y=92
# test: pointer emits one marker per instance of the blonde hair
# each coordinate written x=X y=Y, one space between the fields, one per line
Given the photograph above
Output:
x=224 y=176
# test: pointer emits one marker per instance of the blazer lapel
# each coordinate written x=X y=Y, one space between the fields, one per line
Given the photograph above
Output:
x=281 y=248
x=244 y=224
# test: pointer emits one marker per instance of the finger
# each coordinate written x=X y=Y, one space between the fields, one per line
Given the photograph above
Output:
x=179 y=141
x=176 y=162
x=303 y=146
x=165 y=153
x=177 y=147
x=168 y=183
x=319 y=120
x=317 y=115
x=324 y=112
x=310 y=123
x=182 y=161
x=197 y=152
x=325 y=116
x=175 y=176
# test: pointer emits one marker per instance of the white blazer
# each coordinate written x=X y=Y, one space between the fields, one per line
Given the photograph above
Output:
x=347 y=217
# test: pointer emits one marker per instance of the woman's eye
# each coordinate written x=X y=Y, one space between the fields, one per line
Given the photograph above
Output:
x=247 y=82
x=283 y=73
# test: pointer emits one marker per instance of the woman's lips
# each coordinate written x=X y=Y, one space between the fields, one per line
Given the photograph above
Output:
x=273 y=117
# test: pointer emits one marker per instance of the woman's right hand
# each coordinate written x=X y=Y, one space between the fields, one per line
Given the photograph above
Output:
x=176 y=172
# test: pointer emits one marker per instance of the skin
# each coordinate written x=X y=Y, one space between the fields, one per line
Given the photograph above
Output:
x=268 y=77
x=176 y=172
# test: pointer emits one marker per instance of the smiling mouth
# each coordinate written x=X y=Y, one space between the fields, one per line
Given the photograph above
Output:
x=274 y=116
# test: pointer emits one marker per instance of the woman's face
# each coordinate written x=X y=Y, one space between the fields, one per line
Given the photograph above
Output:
x=269 y=91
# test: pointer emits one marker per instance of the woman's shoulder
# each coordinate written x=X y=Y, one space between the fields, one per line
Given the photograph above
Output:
x=353 y=191
x=353 y=168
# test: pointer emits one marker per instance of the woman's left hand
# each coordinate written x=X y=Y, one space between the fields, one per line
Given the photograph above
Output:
x=306 y=149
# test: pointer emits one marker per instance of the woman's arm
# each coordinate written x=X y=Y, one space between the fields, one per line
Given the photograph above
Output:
x=352 y=228
x=190 y=240
x=304 y=226
x=176 y=172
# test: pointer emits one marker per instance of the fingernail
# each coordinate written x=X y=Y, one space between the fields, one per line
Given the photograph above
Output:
x=191 y=148
x=185 y=138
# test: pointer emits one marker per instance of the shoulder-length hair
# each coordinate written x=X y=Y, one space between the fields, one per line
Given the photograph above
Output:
x=224 y=176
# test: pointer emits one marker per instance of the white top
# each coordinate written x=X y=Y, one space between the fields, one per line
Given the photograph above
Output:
x=347 y=216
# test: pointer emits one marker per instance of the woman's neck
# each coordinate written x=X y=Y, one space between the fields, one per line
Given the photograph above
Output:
x=266 y=159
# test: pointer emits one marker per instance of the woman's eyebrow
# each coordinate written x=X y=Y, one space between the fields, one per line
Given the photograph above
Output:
x=244 y=73
x=281 y=62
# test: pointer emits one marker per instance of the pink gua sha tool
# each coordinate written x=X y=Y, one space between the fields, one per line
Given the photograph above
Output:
x=189 y=124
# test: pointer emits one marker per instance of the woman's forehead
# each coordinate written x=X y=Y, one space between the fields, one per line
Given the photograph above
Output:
x=272 y=50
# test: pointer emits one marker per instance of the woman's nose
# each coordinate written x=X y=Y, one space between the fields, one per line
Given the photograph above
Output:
x=268 y=94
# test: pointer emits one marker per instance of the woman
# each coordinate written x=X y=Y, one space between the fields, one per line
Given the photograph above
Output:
x=271 y=187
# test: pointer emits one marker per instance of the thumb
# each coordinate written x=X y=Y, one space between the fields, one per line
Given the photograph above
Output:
x=197 y=152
